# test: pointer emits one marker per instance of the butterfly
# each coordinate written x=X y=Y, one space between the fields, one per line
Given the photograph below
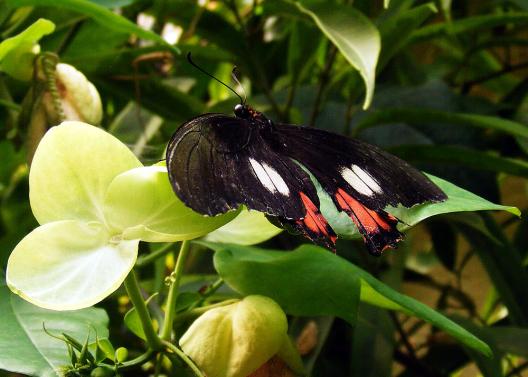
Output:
x=218 y=162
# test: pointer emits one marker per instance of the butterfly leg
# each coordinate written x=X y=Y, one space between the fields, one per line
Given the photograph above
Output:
x=377 y=227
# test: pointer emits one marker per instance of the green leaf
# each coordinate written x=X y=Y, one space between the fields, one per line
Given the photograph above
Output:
x=461 y=156
x=304 y=282
x=419 y=117
x=269 y=273
x=25 y=347
x=509 y=339
x=459 y=200
x=67 y=265
x=141 y=204
x=470 y=24
x=71 y=171
x=353 y=34
x=98 y=13
x=17 y=53
x=396 y=30
x=248 y=228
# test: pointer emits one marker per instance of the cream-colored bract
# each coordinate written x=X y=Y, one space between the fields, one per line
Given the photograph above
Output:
x=67 y=265
x=95 y=202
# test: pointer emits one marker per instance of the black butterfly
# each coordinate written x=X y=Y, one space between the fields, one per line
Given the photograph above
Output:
x=218 y=162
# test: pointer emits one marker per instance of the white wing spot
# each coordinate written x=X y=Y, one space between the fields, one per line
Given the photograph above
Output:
x=277 y=180
x=360 y=180
x=269 y=178
x=367 y=179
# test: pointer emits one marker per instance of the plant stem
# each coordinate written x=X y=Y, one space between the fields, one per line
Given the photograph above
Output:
x=184 y=358
x=133 y=290
x=323 y=82
x=193 y=313
x=141 y=359
x=173 y=291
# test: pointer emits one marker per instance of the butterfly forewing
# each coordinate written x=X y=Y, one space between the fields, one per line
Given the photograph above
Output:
x=217 y=163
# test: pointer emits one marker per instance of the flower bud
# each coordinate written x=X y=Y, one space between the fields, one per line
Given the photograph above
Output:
x=235 y=340
x=78 y=97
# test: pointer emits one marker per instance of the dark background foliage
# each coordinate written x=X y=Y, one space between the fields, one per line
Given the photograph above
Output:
x=437 y=75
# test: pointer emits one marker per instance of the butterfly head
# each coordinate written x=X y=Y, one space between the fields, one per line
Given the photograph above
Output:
x=242 y=111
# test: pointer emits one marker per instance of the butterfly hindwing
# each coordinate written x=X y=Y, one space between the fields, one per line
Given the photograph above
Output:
x=217 y=163
x=361 y=179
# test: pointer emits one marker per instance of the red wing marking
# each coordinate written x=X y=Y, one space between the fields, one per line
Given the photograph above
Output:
x=368 y=218
x=378 y=228
x=315 y=222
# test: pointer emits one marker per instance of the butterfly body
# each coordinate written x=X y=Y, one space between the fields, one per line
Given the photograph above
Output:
x=218 y=162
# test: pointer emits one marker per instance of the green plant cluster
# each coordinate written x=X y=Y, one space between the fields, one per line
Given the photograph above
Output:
x=90 y=93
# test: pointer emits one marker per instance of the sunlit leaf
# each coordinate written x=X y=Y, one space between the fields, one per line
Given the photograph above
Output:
x=67 y=265
x=141 y=204
x=248 y=228
x=25 y=347
x=459 y=200
x=323 y=283
x=353 y=34
x=17 y=53
x=71 y=171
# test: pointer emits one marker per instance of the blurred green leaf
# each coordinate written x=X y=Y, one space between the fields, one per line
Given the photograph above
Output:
x=504 y=266
x=353 y=34
x=396 y=30
x=17 y=53
x=417 y=117
x=470 y=24
x=100 y=14
x=459 y=156
x=313 y=291
x=25 y=347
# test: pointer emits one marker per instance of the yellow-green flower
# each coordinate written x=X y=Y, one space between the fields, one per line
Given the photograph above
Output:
x=236 y=339
x=95 y=201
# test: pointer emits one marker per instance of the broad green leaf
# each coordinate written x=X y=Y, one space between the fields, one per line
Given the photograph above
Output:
x=17 y=53
x=418 y=117
x=327 y=282
x=67 y=265
x=353 y=34
x=25 y=347
x=459 y=200
x=98 y=13
x=141 y=204
x=299 y=287
x=71 y=171
x=248 y=228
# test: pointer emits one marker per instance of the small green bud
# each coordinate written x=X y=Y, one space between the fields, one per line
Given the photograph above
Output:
x=121 y=354
x=235 y=340
x=101 y=372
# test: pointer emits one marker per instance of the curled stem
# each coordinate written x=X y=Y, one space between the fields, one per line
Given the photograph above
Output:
x=186 y=359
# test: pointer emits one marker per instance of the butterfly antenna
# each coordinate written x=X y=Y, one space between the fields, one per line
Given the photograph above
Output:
x=211 y=76
x=234 y=75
